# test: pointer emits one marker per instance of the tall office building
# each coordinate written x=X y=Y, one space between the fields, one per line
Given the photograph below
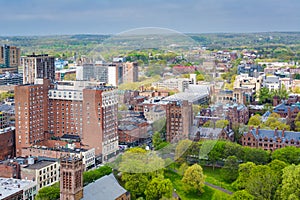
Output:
x=9 y=59
x=82 y=108
x=37 y=67
x=179 y=120
x=71 y=179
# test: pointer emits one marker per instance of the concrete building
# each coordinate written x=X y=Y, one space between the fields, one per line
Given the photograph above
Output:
x=9 y=59
x=179 y=116
x=270 y=139
x=15 y=189
x=37 y=67
x=44 y=173
x=71 y=178
x=111 y=73
x=11 y=79
x=271 y=82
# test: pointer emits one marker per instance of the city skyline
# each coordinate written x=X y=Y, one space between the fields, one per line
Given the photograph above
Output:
x=22 y=17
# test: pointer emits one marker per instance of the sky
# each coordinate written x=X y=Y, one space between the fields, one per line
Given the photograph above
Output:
x=55 y=17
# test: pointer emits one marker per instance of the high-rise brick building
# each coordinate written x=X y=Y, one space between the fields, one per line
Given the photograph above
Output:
x=71 y=179
x=31 y=109
x=81 y=108
x=37 y=67
x=9 y=59
x=130 y=72
x=179 y=120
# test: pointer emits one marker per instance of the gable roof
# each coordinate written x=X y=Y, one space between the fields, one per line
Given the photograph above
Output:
x=106 y=188
x=270 y=134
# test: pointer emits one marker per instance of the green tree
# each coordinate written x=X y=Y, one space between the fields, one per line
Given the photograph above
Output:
x=157 y=139
x=289 y=154
x=242 y=195
x=230 y=170
x=273 y=122
x=257 y=156
x=277 y=167
x=262 y=182
x=181 y=149
x=158 y=188
x=92 y=175
x=244 y=171
x=217 y=152
x=264 y=95
x=194 y=178
x=297 y=122
x=234 y=149
x=222 y=123
x=70 y=77
x=183 y=167
x=290 y=183
x=138 y=168
x=49 y=193
x=255 y=120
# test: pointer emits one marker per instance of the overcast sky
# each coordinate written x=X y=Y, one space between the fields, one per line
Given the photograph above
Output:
x=47 y=17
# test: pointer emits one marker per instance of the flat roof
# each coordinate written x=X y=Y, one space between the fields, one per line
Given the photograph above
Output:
x=9 y=186
x=40 y=164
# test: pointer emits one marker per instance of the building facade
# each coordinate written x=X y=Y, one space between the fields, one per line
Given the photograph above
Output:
x=88 y=111
x=71 y=178
x=44 y=173
x=37 y=67
x=270 y=139
x=9 y=59
x=179 y=116
x=31 y=109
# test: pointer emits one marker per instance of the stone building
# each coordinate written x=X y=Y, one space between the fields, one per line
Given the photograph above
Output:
x=71 y=178
x=270 y=139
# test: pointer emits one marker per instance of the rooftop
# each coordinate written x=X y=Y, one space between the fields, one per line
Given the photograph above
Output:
x=106 y=187
x=39 y=165
x=9 y=186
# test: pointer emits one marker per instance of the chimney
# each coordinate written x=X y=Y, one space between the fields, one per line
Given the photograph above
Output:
x=275 y=133
x=282 y=134
x=257 y=129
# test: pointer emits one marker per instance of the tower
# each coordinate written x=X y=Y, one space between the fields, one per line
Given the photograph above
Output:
x=71 y=179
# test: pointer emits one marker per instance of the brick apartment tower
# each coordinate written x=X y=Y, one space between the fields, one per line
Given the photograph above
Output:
x=37 y=67
x=9 y=59
x=31 y=108
x=100 y=120
x=91 y=113
x=130 y=72
x=71 y=178
x=179 y=120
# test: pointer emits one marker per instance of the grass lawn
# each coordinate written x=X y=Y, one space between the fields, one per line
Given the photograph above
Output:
x=176 y=180
x=214 y=177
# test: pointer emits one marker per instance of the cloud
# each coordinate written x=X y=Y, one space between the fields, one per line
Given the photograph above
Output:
x=112 y=16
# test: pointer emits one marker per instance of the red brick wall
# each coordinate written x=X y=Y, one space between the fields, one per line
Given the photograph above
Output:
x=7 y=145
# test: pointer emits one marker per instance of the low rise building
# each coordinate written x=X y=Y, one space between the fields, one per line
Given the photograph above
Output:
x=44 y=173
x=11 y=189
x=270 y=139
x=88 y=155
x=7 y=143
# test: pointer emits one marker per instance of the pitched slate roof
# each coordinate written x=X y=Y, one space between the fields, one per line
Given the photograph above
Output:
x=270 y=134
x=106 y=188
